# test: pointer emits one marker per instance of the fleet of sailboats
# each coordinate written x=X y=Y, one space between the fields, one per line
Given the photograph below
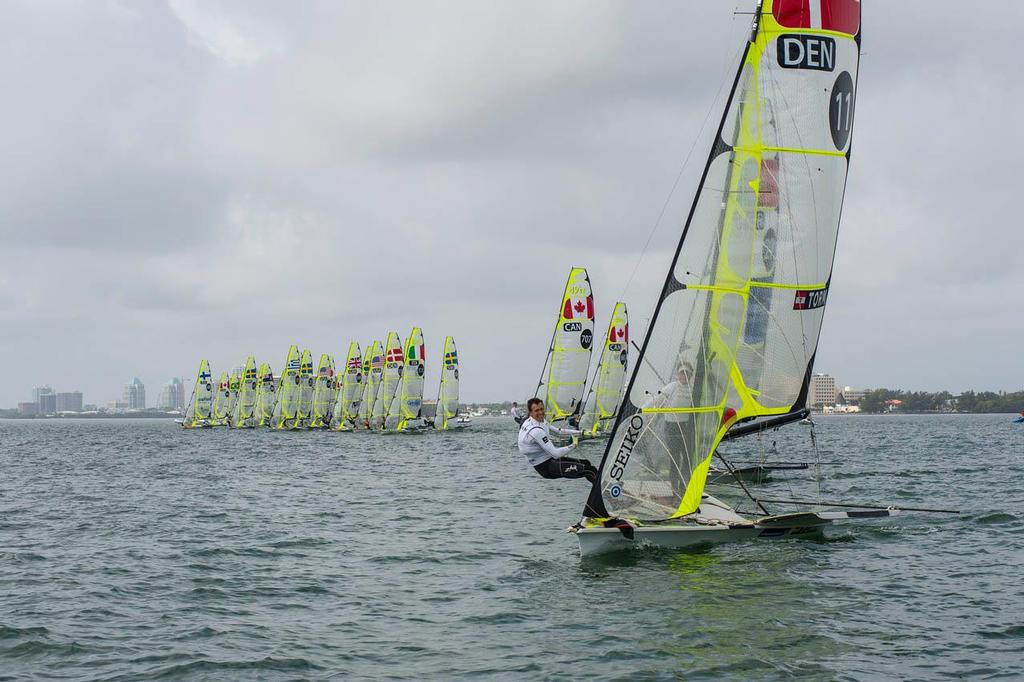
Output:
x=379 y=391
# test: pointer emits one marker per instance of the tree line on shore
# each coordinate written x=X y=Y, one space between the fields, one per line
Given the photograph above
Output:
x=881 y=400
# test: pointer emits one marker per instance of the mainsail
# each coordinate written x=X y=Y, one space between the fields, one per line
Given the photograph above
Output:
x=289 y=392
x=448 y=391
x=565 y=371
x=307 y=381
x=394 y=360
x=602 y=403
x=350 y=393
x=373 y=368
x=266 y=396
x=200 y=404
x=221 y=401
x=408 y=402
x=234 y=384
x=245 y=404
x=736 y=326
x=324 y=393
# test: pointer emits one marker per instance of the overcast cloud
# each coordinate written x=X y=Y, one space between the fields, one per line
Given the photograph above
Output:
x=211 y=179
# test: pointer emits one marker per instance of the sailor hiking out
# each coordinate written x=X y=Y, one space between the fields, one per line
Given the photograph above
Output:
x=550 y=461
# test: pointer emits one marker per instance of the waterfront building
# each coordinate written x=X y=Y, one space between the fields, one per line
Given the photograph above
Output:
x=172 y=395
x=69 y=402
x=851 y=396
x=28 y=409
x=37 y=397
x=47 y=403
x=823 y=390
x=135 y=395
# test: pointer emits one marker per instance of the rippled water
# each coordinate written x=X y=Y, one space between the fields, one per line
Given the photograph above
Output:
x=133 y=550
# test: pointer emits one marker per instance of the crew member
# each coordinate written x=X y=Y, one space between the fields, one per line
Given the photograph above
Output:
x=548 y=460
x=518 y=415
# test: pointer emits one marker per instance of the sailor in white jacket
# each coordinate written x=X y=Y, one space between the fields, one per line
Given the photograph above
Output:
x=550 y=461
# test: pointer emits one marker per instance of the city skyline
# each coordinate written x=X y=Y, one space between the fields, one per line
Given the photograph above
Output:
x=205 y=151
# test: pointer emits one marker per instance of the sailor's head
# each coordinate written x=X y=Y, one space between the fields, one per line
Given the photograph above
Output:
x=535 y=406
x=684 y=373
x=515 y=404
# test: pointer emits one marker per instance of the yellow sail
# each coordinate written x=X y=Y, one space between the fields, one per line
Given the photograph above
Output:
x=565 y=371
x=350 y=392
x=448 y=391
x=324 y=393
x=200 y=405
x=221 y=401
x=289 y=390
x=245 y=404
x=266 y=395
x=602 y=403
x=373 y=369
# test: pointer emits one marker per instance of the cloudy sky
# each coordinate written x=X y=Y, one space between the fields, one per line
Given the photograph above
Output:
x=191 y=179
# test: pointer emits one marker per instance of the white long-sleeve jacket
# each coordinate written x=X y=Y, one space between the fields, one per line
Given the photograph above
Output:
x=535 y=441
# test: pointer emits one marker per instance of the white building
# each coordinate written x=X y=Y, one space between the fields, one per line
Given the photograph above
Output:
x=172 y=395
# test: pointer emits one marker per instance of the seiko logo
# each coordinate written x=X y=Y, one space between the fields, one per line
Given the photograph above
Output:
x=808 y=300
x=636 y=424
x=572 y=326
x=806 y=52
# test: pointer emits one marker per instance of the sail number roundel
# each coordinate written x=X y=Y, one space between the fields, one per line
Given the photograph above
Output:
x=840 y=110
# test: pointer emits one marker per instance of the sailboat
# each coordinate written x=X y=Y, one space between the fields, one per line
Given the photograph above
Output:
x=266 y=396
x=234 y=384
x=289 y=392
x=1020 y=419
x=324 y=393
x=564 y=376
x=243 y=416
x=221 y=401
x=404 y=414
x=730 y=348
x=605 y=394
x=197 y=413
x=448 y=391
x=394 y=361
x=307 y=383
x=373 y=369
x=350 y=393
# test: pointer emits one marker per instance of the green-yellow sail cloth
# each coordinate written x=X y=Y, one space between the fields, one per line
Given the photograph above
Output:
x=200 y=405
x=243 y=415
x=266 y=396
x=221 y=409
x=564 y=376
x=289 y=392
x=605 y=394
x=325 y=393
x=350 y=392
x=448 y=391
x=735 y=330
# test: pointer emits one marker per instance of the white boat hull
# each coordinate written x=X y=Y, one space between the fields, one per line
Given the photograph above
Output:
x=713 y=523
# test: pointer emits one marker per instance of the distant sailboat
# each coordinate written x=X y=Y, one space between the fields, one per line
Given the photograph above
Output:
x=266 y=396
x=350 y=393
x=564 y=376
x=394 y=361
x=289 y=392
x=243 y=416
x=405 y=411
x=1020 y=419
x=306 y=386
x=605 y=394
x=324 y=393
x=221 y=401
x=200 y=404
x=373 y=370
x=448 y=391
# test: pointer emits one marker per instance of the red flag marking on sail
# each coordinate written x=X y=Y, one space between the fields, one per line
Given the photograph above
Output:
x=828 y=15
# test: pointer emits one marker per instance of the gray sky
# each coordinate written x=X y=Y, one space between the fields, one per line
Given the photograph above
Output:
x=211 y=179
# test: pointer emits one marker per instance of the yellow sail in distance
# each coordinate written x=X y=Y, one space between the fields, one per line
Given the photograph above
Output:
x=266 y=397
x=221 y=401
x=323 y=393
x=373 y=368
x=289 y=392
x=564 y=376
x=199 y=408
x=602 y=403
x=736 y=327
x=448 y=391
x=245 y=403
x=350 y=392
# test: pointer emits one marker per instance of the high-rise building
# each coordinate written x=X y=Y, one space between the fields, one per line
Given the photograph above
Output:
x=37 y=397
x=135 y=394
x=47 y=403
x=823 y=390
x=28 y=409
x=69 y=402
x=172 y=395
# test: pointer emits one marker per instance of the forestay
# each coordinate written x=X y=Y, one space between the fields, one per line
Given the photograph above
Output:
x=736 y=327
x=564 y=376
x=448 y=391
x=602 y=403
